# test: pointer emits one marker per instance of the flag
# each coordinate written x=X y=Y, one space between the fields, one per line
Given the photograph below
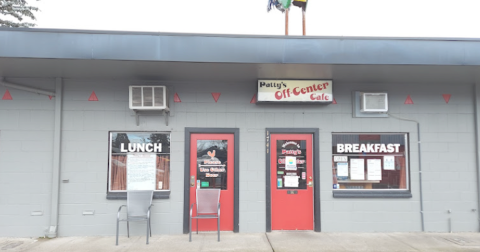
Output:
x=286 y=3
x=276 y=4
x=301 y=3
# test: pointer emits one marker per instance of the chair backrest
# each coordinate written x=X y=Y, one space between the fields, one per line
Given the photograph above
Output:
x=207 y=200
x=138 y=202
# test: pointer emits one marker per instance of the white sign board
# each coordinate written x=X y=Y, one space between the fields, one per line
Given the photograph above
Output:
x=312 y=91
x=141 y=171
x=389 y=163
x=291 y=181
x=340 y=159
x=374 y=169
x=342 y=169
x=357 y=169
x=290 y=163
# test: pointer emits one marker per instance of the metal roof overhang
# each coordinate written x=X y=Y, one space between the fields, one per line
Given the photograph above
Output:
x=76 y=54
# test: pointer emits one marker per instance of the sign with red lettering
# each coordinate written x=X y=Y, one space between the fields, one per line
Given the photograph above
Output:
x=311 y=91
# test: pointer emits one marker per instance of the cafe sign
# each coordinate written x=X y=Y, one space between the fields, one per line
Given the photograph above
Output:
x=311 y=91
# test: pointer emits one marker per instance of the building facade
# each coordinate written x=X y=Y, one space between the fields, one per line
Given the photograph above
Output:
x=70 y=144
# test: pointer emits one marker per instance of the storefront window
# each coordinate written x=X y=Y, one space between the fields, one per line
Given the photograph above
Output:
x=370 y=161
x=139 y=161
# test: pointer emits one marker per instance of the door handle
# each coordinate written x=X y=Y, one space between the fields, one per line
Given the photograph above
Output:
x=310 y=183
x=192 y=181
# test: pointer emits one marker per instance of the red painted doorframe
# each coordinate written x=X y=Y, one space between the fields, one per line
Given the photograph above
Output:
x=187 y=161
x=226 y=194
x=314 y=132
x=292 y=207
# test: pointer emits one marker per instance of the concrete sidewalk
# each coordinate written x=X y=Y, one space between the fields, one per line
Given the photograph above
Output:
x=278 y=241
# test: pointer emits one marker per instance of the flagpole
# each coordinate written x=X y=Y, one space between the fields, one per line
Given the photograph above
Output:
x=304 y=22
x=286 y=22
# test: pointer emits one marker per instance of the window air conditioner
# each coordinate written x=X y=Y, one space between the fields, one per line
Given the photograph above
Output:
x=148 y=97
x=374 y=102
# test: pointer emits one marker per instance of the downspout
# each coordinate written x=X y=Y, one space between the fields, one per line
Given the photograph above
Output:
x=477 y=147
x=52 y=231
x=24 y=88
x=419 y=166
x=420 y=175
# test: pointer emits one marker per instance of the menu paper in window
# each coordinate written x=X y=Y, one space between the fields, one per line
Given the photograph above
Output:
x=290 y=163
x=357 y=169
x=342 y=169
x=141 y=171
x=291 y=181
x=389 y=163
x=374 y=169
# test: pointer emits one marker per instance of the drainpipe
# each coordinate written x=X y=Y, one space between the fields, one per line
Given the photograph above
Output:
x=476 y=93
x=419 y=166
x=24 y=88
x=52 y=231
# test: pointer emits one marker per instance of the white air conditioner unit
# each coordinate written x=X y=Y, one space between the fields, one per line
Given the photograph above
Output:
x=148 y=97
x=374 y=102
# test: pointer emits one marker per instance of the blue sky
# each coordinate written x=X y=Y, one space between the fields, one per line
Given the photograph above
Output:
x=407 y=18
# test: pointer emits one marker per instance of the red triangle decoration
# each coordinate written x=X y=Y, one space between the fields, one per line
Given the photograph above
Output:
x=334 y=101
x=7 y=96
x=176 y=98
x=408 y=100
x=216 y=96
x=93 y=97
x=50 y=97
x=446 y=97
x=254 y=99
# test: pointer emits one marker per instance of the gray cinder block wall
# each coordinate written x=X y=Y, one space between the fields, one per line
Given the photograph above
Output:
x=26 y=136
x=26 y=153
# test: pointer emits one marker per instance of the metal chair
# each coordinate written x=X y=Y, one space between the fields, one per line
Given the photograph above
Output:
x=208 y=207
x=138 y=207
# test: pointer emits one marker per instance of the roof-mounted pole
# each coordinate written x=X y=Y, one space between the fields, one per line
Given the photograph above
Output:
x=304 y=23
x=286 y=22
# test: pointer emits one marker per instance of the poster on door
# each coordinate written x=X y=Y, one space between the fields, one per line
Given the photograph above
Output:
x=212 y=164
x=291 y=165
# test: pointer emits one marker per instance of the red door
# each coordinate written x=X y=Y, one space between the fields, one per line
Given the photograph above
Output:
x=211 y=166
x=291 y=182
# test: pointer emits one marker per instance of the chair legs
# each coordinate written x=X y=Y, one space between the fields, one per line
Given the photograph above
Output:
x=149 y=230
x=150 y=226
x=218 y=228
x=116 y=242
x=190 y=230
x=128 y=229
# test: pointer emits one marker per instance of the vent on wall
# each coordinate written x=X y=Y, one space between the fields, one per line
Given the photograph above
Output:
x=374 y=102
x=148 y=97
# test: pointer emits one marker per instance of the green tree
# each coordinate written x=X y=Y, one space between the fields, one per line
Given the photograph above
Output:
x=161 y=138
x=16 y=10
